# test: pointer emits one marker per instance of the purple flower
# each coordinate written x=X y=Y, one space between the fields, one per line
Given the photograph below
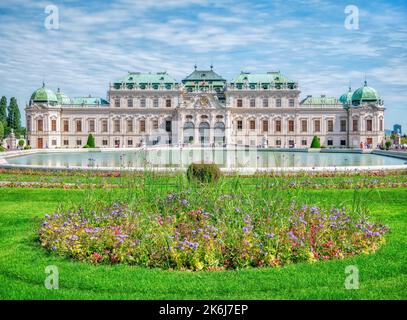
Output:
x=270 y=235
x=184 y=202
x=246 y=229
x=73 y=237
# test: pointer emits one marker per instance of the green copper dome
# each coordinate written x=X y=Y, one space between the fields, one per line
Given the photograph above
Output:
x=365 y=94
x=44 y=94
x=346 y=97
x=62 y=97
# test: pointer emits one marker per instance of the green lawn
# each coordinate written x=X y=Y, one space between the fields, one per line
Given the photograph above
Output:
x=383 y=275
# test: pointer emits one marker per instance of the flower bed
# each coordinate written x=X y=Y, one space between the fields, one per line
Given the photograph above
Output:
x=178 y=235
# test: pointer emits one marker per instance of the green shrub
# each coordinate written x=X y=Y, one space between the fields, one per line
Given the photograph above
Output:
x=86 y=146
x=21 y=143
x=315 y=143
x=388 y=145
x=27 y=147
x=91 y=141
x=2 y=149
x=203 y=172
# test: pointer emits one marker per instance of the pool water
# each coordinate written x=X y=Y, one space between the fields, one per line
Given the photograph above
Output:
x=175 y=158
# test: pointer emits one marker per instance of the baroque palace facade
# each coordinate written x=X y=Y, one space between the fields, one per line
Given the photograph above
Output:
x=204 y=109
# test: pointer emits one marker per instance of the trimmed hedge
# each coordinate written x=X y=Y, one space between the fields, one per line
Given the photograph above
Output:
x=315 y=143
x=203 y=172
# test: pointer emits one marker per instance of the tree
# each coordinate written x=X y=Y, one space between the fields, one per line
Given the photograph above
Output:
x=91 y=141
x=1 y=131
x=315 y=143
x=3 y=110
x=13 y=116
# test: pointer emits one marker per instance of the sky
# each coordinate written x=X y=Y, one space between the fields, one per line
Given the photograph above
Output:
x=97 y=42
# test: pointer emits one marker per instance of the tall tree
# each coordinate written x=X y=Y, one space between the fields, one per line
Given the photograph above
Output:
x=13 y=116
x=3 y=110
x=1 y=131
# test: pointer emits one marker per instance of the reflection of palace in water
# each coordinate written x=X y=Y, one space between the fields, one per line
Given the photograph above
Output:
x=204 y=109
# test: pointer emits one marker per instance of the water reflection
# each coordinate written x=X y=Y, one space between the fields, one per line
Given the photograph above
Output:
x=239 y=158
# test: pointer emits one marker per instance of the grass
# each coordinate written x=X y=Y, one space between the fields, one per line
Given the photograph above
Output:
x=383 y=275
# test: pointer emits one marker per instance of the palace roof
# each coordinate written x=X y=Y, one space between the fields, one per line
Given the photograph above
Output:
x=263 y=78
x=146 y=78
x=89 y=101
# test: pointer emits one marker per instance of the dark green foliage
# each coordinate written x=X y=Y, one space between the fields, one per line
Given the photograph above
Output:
x=388 y=144
x=3 y=110
x=91 y=141
x=203 y=172
x=316 y=143
x=13 y=115
x=1 y=130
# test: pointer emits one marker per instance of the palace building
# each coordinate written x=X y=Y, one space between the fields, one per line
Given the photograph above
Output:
x=205 y=109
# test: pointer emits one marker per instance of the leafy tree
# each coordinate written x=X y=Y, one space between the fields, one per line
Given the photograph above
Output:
x=1 y=131
x=388 y=144
x=91 y=141
x=3 y=111
x=13 y=115
x=315 y=143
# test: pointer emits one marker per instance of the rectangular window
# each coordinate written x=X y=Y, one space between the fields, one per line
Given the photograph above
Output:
x=91 y=125
x=66 y=125
x=54 y=142
x=239 y=103
x=330 y=126
x=142 y=102
x=116 y=125
x=66 y=143
x=291 y=143
x=330 y=142
x=40 y=125
x=53 y=125
x=278 y=125
x=155 y=103
x=142 y=125
x=168 y=103
x=104 y=142
x=155 y=124
x=104 y=125
x=355 y=125
x=317 y=125
x=343 y=143
x=265 y=103
x=265 y=126
x=369 y=125
x=381 y=124
x=304 y=126
x=343 y=125
x=252 y=103
x=290 y=125
x=239 y=125
x=117 y=143
x=304 y=142
x=278 y=103
x=291 y=103
x=78 y=125
x=78 y=142
x=130 y=125
x=117 y=103
x=278 y=143
x=130 y=103
x=168 y=126
x=130 y=143
x=252 y=124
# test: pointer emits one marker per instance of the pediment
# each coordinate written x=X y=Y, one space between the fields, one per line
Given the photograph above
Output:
x=192 y=100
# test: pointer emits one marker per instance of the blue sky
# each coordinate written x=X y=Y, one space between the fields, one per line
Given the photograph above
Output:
x=99 y=41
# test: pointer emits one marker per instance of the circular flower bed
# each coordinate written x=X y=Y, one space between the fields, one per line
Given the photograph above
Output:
x=186 y=238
